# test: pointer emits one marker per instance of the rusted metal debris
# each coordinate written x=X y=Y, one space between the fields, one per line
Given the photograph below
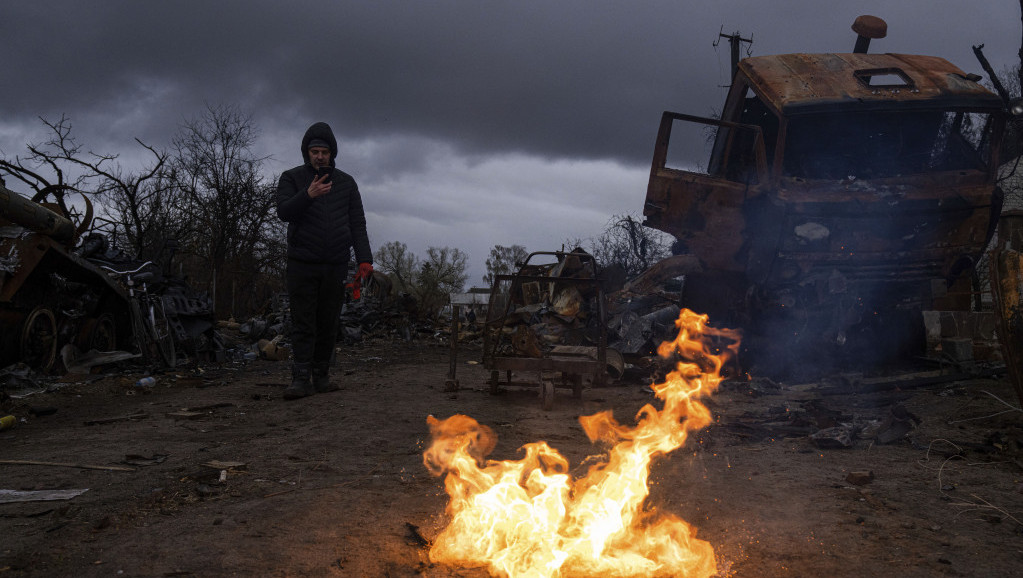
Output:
x=844 y=194
x=555 y=299
x=56 y=297
x=551 y=324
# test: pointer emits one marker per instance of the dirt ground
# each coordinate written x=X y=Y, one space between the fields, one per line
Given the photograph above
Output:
x=332 y=485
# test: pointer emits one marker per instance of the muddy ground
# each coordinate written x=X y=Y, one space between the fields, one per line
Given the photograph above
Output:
x=331 y=485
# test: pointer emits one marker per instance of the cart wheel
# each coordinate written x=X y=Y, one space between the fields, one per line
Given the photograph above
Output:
x=577 y=386
x=547 y=393
x=493 y=382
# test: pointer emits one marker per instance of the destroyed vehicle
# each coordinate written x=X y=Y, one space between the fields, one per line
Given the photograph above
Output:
x=844 y=194
x=60 y=298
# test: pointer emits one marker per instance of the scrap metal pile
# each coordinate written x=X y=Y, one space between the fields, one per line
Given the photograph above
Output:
x=533 y=315
x=559 y=311
x=61 y=298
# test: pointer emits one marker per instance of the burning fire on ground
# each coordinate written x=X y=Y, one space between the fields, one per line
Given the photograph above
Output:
x=531 y=518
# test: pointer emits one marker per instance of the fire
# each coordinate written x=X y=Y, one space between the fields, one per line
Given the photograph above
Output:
x=530 y=518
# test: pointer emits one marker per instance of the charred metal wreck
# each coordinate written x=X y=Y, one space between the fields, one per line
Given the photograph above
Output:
x=65 y=291
x=844 y=194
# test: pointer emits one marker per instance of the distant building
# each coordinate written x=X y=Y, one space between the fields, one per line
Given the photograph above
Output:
x=478 y=301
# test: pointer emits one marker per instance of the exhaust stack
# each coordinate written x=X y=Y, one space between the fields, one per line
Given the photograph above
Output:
x=867 y=28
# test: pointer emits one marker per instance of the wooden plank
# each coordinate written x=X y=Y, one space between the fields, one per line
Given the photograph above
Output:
x=66 y=465
x=114 y=419
x=186 y=414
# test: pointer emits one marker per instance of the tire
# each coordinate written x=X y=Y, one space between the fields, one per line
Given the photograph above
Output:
x=160 y=329
x=99 y=333
x=153 y=339
x=139 y=332
x=38 y=345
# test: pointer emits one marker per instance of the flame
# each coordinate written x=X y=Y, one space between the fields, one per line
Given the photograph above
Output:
x=531 y=518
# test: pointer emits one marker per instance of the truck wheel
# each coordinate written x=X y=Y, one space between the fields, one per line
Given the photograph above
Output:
x=99 y=333
x=39 y=339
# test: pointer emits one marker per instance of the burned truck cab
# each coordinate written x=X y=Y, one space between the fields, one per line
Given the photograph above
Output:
x=843 y=194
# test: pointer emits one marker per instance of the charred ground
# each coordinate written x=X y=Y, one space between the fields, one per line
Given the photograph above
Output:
x=334 y=485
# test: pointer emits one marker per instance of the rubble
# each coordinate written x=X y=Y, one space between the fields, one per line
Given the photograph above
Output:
x=842 y=436
x=860 y=477
x=273 y=349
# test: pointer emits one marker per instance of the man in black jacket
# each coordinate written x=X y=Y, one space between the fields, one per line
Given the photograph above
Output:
x=323 y=209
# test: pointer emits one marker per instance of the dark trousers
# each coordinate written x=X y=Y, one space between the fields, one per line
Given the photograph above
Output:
x=315 y=293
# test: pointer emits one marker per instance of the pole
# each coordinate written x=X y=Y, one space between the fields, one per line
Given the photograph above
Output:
x=452 y=384
x=735 y=40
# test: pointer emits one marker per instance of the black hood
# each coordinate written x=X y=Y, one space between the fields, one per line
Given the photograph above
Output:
x=320 y=130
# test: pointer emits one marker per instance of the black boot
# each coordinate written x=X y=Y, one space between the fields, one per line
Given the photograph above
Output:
x=321 y=378
x=300 y=385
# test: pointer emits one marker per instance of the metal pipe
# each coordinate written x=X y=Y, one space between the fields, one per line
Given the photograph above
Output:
x=34 y=216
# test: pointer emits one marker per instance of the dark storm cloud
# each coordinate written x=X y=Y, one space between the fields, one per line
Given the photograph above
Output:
x=566 y=79
x=560 y=79
x=467 y=123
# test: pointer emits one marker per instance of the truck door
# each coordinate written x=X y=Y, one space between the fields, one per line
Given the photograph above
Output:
x=703 y=206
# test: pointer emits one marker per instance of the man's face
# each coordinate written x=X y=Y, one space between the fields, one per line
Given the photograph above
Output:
x=319 y=157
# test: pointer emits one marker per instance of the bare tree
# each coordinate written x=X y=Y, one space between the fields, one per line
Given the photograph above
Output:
x=504 y=261
x=228 y=200
x=209 y=197
x=1007 y=84
x=1012 y=146
x=626 y=243
x=141 y=208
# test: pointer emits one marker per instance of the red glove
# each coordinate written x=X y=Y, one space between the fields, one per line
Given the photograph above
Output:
x=356 y=287
x=365 y=271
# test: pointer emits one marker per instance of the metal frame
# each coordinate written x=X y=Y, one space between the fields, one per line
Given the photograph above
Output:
x=572 y=367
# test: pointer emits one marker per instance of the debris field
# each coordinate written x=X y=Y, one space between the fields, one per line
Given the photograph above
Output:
x=207 y=472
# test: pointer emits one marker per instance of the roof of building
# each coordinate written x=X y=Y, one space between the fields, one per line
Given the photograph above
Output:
x=470 y=298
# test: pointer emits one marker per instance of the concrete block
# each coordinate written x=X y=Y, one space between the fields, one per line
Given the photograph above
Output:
x=958 y=348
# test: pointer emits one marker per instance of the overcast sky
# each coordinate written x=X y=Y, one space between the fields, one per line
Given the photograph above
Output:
x=466 y=123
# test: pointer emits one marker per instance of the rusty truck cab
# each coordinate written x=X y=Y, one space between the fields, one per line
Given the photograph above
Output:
x=838 y=186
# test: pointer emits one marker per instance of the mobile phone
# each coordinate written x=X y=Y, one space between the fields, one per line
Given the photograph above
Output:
x=324 y=171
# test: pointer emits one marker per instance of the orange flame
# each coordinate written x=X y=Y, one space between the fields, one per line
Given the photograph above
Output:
x=530 y=518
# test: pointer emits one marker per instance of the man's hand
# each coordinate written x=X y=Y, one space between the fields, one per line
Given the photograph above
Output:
x=319 y=187
x=365 y=271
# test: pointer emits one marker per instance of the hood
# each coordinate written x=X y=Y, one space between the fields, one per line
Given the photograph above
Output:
x=320 y=130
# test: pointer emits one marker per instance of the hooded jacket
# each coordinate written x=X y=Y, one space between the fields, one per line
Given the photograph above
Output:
x=325 y=229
